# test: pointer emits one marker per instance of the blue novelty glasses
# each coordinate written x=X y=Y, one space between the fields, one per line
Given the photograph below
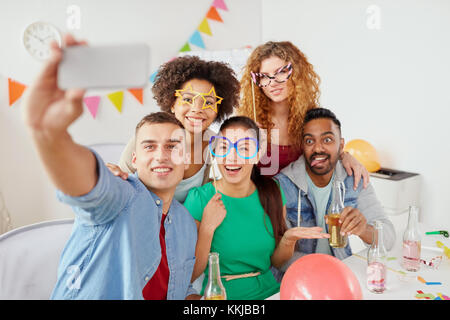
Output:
x=246 y=148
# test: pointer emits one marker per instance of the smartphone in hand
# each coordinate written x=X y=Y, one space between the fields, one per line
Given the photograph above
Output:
x=104 y=67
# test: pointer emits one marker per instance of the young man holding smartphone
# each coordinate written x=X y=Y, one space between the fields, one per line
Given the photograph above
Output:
x=131 y=239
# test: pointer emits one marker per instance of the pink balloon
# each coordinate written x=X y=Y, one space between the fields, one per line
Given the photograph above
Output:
x=319 y=276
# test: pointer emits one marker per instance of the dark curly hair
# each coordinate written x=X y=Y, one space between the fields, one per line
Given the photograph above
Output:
x=173 y=74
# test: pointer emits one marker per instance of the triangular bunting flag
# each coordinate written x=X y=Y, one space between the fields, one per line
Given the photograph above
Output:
x=117 y=99
x=153 y=77
x=213 y=14
x=220 y=4
x=138 y=94
x=185 y=48
x=204 y=27
x=16 y=90
x=92 y=104
x=197 y=40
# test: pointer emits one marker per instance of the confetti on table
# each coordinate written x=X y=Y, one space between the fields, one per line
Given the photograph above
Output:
x=428 y=283
x=421 y=279
x=391 y=258
x=425 y=295
x=429 y=296
x=442 y=296
x=397 y=271
x=433 y=263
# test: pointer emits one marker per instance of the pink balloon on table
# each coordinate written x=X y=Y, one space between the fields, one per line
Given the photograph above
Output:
x=319 y=276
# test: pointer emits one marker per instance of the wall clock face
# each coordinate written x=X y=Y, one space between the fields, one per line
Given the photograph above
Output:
x=37 y=38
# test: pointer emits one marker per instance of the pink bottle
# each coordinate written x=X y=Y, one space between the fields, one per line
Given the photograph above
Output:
x=411 y=242
x=376 y=259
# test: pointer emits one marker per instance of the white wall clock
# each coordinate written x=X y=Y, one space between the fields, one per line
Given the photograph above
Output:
x=37 y=38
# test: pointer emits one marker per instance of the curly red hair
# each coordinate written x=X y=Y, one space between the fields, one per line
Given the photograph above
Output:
x=303 y=88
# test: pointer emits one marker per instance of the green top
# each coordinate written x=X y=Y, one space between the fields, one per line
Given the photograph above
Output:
x=244 y=241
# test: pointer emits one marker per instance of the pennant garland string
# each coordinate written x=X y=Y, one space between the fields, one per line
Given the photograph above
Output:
x=220 y=4
x=16 y=89
x=92 y=104
x=138 y=94
x=116 y=98
x=204 y=27
x=213 y=14
x=196 y=38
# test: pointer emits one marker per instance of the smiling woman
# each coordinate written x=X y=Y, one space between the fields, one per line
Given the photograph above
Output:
x=241 y=216
x=198 y=93
x=287 y=87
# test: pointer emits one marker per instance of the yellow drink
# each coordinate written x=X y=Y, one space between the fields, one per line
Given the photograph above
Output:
x=334 y=229
x=215 y=297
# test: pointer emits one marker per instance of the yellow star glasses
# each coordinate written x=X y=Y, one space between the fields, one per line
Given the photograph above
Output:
x=210 y=99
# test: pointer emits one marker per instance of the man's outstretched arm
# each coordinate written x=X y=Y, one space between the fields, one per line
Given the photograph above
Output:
x=48 y=112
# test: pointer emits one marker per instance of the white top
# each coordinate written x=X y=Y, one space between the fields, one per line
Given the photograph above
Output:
x=185 y=185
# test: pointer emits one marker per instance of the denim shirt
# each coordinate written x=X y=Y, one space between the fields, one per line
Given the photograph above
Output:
x=293 y=178
x=309 y=212
x=114 y=248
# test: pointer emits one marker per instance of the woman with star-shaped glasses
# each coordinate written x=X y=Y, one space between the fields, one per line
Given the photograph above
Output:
x=279 y=86
x=199 y=93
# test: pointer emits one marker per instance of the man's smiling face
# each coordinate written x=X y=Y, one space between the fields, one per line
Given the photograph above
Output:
x=322 y=145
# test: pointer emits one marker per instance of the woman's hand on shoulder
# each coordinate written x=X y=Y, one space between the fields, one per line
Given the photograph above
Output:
x=352 y=165
x=115 y=169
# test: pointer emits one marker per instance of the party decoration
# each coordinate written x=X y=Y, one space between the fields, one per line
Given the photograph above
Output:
x=319 y=277
x=16 y=90
x=204 y=27
x=138 y=94
x=429 y=296
x=197 y=40
x=433 y=263
x=211 y=93
x=439 y=244
x=213 y=14
x=220 y=4
x=92 y=104
x=365 y=153
x=185 y=48
x=442 y=232
x=153 y=76
x=117 y=99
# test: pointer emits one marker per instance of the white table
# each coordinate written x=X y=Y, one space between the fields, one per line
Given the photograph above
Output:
x=404 y=287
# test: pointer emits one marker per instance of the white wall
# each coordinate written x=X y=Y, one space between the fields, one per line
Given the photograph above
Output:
x=164 y=25
x=388 y=86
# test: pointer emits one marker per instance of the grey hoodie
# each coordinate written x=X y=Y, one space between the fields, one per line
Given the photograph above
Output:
x=293 y=177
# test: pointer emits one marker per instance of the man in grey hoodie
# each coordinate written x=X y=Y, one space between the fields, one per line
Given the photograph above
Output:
x=307 y=184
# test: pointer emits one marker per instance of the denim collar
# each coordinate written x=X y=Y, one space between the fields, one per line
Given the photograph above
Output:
x=296 y=171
